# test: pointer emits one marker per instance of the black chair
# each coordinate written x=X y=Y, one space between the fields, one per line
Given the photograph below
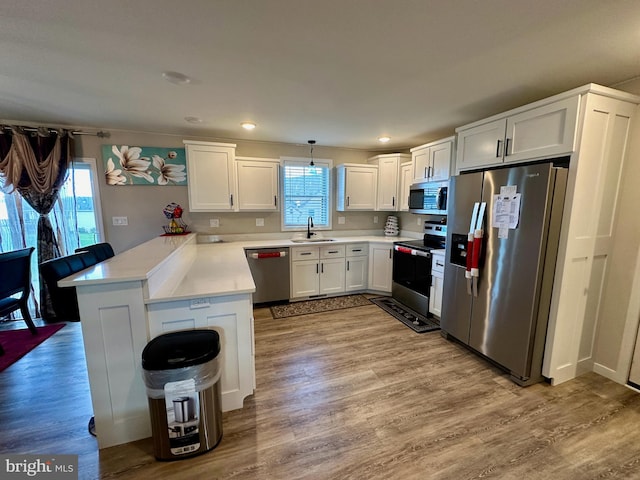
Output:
x=64 y=300
x=16 y=278
x=102 y=251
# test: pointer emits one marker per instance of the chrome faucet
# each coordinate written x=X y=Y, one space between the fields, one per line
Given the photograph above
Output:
x=309 y=227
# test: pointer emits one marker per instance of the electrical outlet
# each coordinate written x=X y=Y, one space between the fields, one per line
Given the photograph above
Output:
x=259 y=222
x=419 y=221
x=341 y=220
x=214 y=222
x=120 y=221
x=375 y=219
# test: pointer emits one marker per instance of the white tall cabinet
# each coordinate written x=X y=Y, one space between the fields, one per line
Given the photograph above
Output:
x=211 y=176
x=388 y=187
x=590 y=126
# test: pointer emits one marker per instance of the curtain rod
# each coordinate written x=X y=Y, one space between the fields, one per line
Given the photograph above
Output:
x=99 y=133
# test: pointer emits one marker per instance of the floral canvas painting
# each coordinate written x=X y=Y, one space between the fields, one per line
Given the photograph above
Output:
x=125 y=165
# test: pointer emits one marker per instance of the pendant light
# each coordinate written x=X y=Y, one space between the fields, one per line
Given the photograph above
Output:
x=312 y=143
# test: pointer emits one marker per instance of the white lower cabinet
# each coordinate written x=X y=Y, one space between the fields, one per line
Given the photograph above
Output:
x=437 y=283
x=380 y=267
x=317 y=271
x=232 y=317
x=357 y=267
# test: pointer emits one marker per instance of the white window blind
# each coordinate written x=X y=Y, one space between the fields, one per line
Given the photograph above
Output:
x=306 y=194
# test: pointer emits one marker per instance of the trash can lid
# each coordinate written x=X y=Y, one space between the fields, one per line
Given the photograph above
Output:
x=181 y=349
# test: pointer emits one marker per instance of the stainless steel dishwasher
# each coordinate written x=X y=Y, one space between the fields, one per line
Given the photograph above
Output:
x=270 y=271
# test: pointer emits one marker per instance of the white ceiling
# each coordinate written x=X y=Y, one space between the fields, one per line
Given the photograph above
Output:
x=342 y=72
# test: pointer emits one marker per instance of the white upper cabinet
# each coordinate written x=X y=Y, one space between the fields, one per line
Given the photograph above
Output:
x=543 y=132
x=388 y=180
x=432 y=161
x=406 y=176
x=258 y=180
x=211 y=176
x=356 y=187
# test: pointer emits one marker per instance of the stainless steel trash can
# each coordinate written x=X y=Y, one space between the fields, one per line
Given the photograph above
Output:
x=182 y=373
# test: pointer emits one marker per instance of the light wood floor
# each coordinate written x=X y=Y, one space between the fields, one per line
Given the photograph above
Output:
x=349 y=394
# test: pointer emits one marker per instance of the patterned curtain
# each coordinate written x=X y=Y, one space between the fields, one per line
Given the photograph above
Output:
x=35 y=166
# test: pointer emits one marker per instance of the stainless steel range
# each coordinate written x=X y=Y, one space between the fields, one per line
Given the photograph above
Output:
x=412 y=267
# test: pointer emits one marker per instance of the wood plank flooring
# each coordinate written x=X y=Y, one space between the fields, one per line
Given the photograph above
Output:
x=350 y=394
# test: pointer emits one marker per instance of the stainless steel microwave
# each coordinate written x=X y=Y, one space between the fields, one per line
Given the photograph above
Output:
x=428 y=198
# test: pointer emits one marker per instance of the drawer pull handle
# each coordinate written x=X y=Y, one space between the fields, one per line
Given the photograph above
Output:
x=333 y=251
x=356 y=250
x=305 y=253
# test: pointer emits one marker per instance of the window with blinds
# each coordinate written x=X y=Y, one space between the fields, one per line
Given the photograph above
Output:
x=306 y=192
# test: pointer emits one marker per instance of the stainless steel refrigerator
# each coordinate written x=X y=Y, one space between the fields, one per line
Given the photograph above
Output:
x=502 y=311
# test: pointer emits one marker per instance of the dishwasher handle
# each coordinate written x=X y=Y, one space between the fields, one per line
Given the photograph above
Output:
x=268 y=254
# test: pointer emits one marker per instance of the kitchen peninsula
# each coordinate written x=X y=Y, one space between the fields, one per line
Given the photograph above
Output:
x=163 y=285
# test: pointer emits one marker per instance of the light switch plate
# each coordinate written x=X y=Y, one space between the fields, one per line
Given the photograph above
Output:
x=120 y=221
x=214 y=222
x=419 y=221
x=341 y=220
x=375 y=219
x=259 y=222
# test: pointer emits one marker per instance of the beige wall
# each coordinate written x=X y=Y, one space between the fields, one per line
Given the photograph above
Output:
x=143 y=204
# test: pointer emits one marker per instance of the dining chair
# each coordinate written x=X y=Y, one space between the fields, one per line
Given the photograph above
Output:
x=15 y=278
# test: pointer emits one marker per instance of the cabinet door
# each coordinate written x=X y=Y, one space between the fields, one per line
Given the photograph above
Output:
x=420 y=158
x=546 y=131
x=435 y=299
x=210 y=177
x=304 y=278
x=332 y=276
x=356 y=276
x=387 y=185
x=361 y=188
x=380 y=267
x=257 y=185
x=481 y=146
x=231 y=317
x=406 y=176
x=440 y=161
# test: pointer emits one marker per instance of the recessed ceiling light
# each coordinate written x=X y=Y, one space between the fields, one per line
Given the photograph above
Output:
x=384 y=139
x=194 y=119
x=176 y=78
x=248 y=125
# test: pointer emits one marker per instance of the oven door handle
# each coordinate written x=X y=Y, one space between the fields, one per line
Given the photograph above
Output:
x=410 y=251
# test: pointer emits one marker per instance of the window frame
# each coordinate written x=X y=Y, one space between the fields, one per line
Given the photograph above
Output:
x=318 y=162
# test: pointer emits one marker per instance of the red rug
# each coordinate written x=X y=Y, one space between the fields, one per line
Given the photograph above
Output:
x=17 y=343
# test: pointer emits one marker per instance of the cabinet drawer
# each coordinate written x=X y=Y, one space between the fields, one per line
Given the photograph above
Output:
x=331 y=251
x=357 y=250
x=304 y=253
x=437 y=264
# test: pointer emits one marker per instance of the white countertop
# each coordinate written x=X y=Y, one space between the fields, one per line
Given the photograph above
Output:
x=217 y=268
x=138 y=263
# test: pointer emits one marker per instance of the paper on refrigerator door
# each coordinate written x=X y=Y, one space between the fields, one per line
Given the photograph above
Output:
x=506 y=211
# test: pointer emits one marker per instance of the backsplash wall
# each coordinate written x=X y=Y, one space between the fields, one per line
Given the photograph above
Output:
x=142 y=205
